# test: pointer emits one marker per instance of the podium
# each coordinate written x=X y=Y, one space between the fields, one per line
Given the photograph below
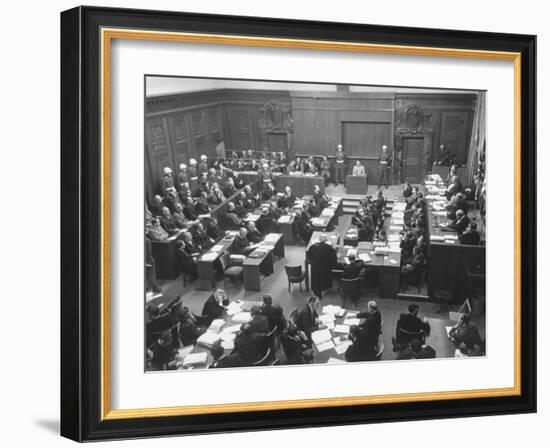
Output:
x=356 y=184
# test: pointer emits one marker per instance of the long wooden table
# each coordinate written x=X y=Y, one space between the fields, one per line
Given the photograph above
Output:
x=448 y=260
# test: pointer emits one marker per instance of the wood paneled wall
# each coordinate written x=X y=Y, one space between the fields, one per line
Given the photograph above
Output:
x=181 y=126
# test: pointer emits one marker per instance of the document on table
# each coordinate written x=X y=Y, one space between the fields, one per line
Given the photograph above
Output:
x=217 y=248
x=228 y=345
x=341 y=329
x=195 y=358
x=231 y=329
x=228 y=336
x=343 y=347
x=321 y=336
x=242 y=317
x=208 y=339
x=324 y=346
x=335 y=361
x=352 y=321
x=327 y=318
x=183 y=352
x=233 y=308
x=216 y=325
x=284 y=219
x=209 y=256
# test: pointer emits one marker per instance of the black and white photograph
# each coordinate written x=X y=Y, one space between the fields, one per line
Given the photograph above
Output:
x=310 y=223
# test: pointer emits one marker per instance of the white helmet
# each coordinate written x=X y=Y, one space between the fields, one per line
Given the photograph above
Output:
x=167 y=170
x=192 y=162
x=183 y=166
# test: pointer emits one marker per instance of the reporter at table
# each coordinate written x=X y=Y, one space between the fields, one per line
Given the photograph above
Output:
x=364 y=345
x=214 y=306
x=308 y=317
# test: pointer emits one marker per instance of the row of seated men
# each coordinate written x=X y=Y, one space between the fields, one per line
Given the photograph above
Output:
x=177 y=327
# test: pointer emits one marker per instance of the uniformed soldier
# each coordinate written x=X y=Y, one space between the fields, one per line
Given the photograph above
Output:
x=203 y=165
x=182 y=177
x=384 y=160
x=167 y=182
x=340 y=165
x=193 y=172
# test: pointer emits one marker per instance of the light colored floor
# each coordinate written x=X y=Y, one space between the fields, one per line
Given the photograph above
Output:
x=276 y=285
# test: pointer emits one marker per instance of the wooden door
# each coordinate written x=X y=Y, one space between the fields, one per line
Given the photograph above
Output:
x=413 y=158
x=158 y=149
x=454 y=133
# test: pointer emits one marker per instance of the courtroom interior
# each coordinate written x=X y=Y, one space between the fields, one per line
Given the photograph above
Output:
x=290 y=223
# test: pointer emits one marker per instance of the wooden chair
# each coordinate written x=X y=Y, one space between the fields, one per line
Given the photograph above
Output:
x=231 y=271
x=293 y=316
x=271 y=339
x=404 y=336
x=295 y=274
x=275 y=362
x=350 y=289
x=264 y=360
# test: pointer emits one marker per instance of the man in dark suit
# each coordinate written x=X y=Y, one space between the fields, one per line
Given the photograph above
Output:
x=461 y=222
x=288 y=199
x=213 y=230
x=259 y=323
x=364 y=345
x=308 y=317
x=241 y=245
x=185 y=260
x=471 y=236
x=322 y=258
x=221 y=360
x=251 y=346
x=373 y=318
x=253 y=234
x=353 y=269
x=214 y=307
x=274 y=313
x=410 y=323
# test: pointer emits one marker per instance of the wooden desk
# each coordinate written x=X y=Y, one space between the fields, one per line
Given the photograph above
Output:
x=356 y=184
x=253 y=269
x=164 y=253
x=448 y=262
x=206 y=268
x=301 y=185
x=287 y=229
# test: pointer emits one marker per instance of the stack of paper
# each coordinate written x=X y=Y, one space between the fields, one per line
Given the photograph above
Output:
x=382 y=250
x=344 y=329
x=272 y=237
x=321 y=336
x=317 y=222
x=233 y=308
x=194 y=359
x=335 y=361
x=327 y=212
x=324 y=346
x=364 y=257
x=327 y=318
x=217 y=248
x=216 y=325
x=335 y=310
x=284 y=219
x=183 y=352
x=209 y=256
x=228 y=345
x=231 y=329
x=208 y=339
x=242 y=317
x=343 y=347
x=437 y=238
x=351 y=321
x=228 y=336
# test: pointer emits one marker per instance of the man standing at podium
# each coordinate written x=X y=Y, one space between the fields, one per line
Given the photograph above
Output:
x=384 y=160
x=358 y=169
x=340 y=165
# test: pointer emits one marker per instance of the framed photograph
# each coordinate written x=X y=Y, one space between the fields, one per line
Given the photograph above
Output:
x=279 y=224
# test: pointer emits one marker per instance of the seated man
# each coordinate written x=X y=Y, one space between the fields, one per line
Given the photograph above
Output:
x=253 y=234
x=202 y=207
x=189 y=210
x=266 y=223
x=274 y=313
x=364 y=345
x=413 y=267
x=179 y=217
x=156 y=206
x=230 y=188
x=168 y=222
x=233 y=221
x=470 y=236
x=303 y=226
x=413 y=327
x=408 y=190
x=156 y=232
x=214 y=307
x=321 y=201
x=201 y=238
x=465 y=333
x=353 y=268
x=461 y=223
x=259 y=323
x=241 y=245
x=213 y=230
x=189 y=329
x=295 y=345
x=221 y=360
x=288 y=199
x=185 y=259
x=269 y=192
x=161 y=354
x=373 y=318
x=249 y=345
x=308 y=317
x=358 y=169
